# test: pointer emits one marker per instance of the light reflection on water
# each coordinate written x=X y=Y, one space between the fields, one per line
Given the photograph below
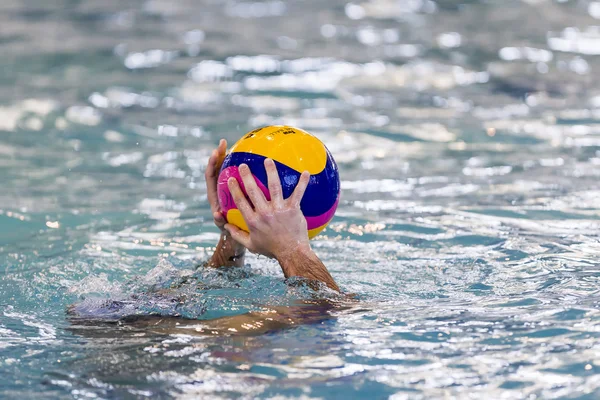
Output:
x=468 y=138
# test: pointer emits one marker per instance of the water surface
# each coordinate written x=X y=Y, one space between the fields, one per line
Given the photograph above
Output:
x=468 y=139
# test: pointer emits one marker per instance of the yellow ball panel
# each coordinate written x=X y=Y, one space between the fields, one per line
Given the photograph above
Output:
x=307 y=152
x=234 y=217
x=314 y=232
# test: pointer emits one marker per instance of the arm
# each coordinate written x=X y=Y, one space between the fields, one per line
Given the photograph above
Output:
x=228 y=253
x=268 y=319
x=305 y=263
x=277 y=227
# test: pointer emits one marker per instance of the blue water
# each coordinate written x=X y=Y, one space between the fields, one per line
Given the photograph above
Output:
x=468 y=139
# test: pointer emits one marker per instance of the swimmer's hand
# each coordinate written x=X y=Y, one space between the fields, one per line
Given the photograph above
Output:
x=228 y=252
x=278 y=228
x=212 y=175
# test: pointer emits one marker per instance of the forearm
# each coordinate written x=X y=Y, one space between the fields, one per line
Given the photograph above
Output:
x=303 y=262
x=228 y=253
x=266 y=320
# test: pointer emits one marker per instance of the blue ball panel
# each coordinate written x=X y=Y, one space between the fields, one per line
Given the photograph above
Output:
x=322 y=191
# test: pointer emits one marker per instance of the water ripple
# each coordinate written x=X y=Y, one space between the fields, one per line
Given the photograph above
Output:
x=467 y=136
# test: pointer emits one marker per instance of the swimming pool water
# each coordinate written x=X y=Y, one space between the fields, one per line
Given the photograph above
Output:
x=468 y=139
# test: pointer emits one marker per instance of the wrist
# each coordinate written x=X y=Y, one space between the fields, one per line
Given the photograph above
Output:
x=228 y=253
x=301 y=261
x=229 y=242
x=288 y=258
x=301 y=249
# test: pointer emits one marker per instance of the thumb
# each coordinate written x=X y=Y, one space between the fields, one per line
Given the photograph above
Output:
x=239 y=235
x=219 y=219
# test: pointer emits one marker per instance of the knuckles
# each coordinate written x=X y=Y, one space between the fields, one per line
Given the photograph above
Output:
x=268 y=217
x=251 y=222
x=260 y=217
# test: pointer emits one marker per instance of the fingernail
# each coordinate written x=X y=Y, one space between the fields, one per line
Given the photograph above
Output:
x=244 y=167
x=231 y=181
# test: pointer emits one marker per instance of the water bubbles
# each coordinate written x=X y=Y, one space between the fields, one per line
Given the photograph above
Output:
x=53 y=224
x=370 y=36
x=449 y=40
x=287 y=43
x=256 y=9
x=542 y=68
x=261 y=64
x=149 y=59
x=194 y=37
x=367 y=36
x=355 y=11
x=99 y=285
x=98 y=100
x=528 y=53
x=114 y=136
x=328 y=30
x=117 y=97
x=594 y=9
x=124 y=159
x=28 y=112
x=579 y=66
x=210 y=71
x=83 y=115
x=402 y=50
x=489 y=171
x=573 y=40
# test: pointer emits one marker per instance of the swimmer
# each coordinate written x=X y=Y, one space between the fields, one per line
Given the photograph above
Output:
x=277 y=229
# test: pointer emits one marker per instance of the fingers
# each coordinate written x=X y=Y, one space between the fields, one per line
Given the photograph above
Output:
x=274 y=183
x=222 y=146
x=210 y=166
x=216 y=160
x=212 y=173
x=239 y=235
x=211 y=182
x=254 y=193
x=221 y=153
x=220 y=220
x=296 y=197
x=239 y=199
